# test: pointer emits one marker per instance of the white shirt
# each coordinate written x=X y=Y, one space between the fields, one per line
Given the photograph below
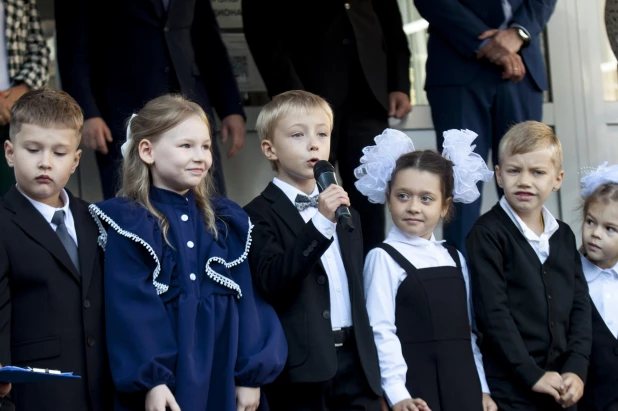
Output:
x=5 y=81
x=603 y=289
x=540 y=244
x=383 y=276
x=340 y=306
x=48 y=213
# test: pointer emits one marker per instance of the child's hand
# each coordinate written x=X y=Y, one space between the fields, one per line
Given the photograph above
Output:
x=330 y=200
x=488 y=403
x=5 y=387
x=411 y=404
x=160 y=398
x=574 y=389
x=247 y=398
x=551 y=383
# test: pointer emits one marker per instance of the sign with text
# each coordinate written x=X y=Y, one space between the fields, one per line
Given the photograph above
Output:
x=228 y=13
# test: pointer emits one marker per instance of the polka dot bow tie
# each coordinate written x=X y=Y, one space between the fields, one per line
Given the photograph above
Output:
x=303 y=202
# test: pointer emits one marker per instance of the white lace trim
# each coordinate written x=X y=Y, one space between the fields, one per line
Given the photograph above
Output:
x=102 y=240
x=223 y=280
x=161 y=288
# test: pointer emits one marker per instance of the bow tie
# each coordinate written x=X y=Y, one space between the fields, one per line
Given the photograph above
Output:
x=303 y=202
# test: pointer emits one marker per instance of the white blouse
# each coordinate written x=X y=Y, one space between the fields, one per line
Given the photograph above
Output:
x=382 y=276
x=603 y=289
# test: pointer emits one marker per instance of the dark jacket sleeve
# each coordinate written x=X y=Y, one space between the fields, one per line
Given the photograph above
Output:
x=5 y=307
x=533 y=15
x=260 y=24
x=73 y=51
x=453 y=21
x=490 y=301
x=397 y=50
x=279 y=269
x=214 y=63
x=579 y=336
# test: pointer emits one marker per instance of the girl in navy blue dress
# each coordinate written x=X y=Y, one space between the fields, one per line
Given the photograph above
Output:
x=417 y=289
x=184 y=327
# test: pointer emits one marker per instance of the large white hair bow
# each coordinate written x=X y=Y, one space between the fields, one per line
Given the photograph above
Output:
x=124 y=148
x=378 y=162
x=468 y=167
x=603 y=174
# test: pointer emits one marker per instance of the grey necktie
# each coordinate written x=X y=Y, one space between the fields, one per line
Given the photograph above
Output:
x=303 y=202
x=65 y=237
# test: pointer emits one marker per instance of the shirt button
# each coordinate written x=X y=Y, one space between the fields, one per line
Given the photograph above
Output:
x=86 y=303
x=190 y=244
x=338 y=290
x=329 y=232
x=90 y=341
x=184 y=217
x=347 y=6
x=192 y=277
x=608 y=296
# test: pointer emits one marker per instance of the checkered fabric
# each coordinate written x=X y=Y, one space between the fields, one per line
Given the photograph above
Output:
x=28 y=54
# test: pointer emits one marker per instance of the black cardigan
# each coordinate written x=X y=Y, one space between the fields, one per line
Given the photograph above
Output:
x=533 y=317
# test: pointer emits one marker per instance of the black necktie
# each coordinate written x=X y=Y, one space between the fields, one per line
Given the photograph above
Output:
x=303 y=202
x=65 y=237
x=166 y=4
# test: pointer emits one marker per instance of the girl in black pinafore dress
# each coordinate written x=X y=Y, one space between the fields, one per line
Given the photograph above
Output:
x=417 y=289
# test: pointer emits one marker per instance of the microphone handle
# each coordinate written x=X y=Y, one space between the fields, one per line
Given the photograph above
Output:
x=344 y=218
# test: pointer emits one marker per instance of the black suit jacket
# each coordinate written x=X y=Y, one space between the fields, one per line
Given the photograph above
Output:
x=285 y=263
x=50 y=316
x=115 y=55
x=309 y=45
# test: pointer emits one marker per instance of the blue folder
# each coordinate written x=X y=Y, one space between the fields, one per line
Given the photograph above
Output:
x=17 y=375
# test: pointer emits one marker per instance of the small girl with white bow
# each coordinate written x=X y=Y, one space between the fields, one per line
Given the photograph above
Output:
x=417 y=289
x=185 y=329
x=600 y=264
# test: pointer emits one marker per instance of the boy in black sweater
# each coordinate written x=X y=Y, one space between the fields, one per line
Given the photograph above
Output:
x=529 y=293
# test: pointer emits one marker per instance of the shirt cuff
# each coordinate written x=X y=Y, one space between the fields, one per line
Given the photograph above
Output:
x=324 y=225
x=396 y=392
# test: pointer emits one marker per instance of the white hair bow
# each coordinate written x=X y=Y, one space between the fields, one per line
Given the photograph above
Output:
x=603 y=174
x=124 y=148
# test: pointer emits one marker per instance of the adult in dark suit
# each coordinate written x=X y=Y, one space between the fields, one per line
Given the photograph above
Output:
x=116 y=55
x=284 y=243
x=485 y=72
x=51 y=315
x=352 y=53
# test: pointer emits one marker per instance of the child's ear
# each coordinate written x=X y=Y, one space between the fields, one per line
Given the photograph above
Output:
x=558 y=182
x=269 y=150
x=145 y=150
x=446 y=207
x=498 y=176
x=76 y=158
x=8 y=152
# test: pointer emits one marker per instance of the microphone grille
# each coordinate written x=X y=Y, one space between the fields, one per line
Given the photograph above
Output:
x=322 y=166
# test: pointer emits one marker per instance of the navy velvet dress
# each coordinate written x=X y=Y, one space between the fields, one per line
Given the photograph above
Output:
x=184 y=314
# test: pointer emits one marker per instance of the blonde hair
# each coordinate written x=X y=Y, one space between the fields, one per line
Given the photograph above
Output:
x=157 y=117
x=282 y=105
x=531 y=136
x=49 y=109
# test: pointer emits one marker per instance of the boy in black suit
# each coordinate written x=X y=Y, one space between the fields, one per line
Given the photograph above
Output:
x=51 y=277
x=309 y=268
x=529 y=292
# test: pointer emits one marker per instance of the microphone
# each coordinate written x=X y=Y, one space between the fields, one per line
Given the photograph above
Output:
x=324 y=174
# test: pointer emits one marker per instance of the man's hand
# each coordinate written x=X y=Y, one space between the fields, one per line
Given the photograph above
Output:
x=96 y=134
x=574 y=389
x=488 y=403
x=502 y=43
x=399 y=104
x=8 y=98
x=513 y=67
x=233 y=125
x=551 y=383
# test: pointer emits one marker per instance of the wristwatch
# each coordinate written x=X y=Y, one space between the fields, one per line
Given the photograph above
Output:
x=523 y=35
